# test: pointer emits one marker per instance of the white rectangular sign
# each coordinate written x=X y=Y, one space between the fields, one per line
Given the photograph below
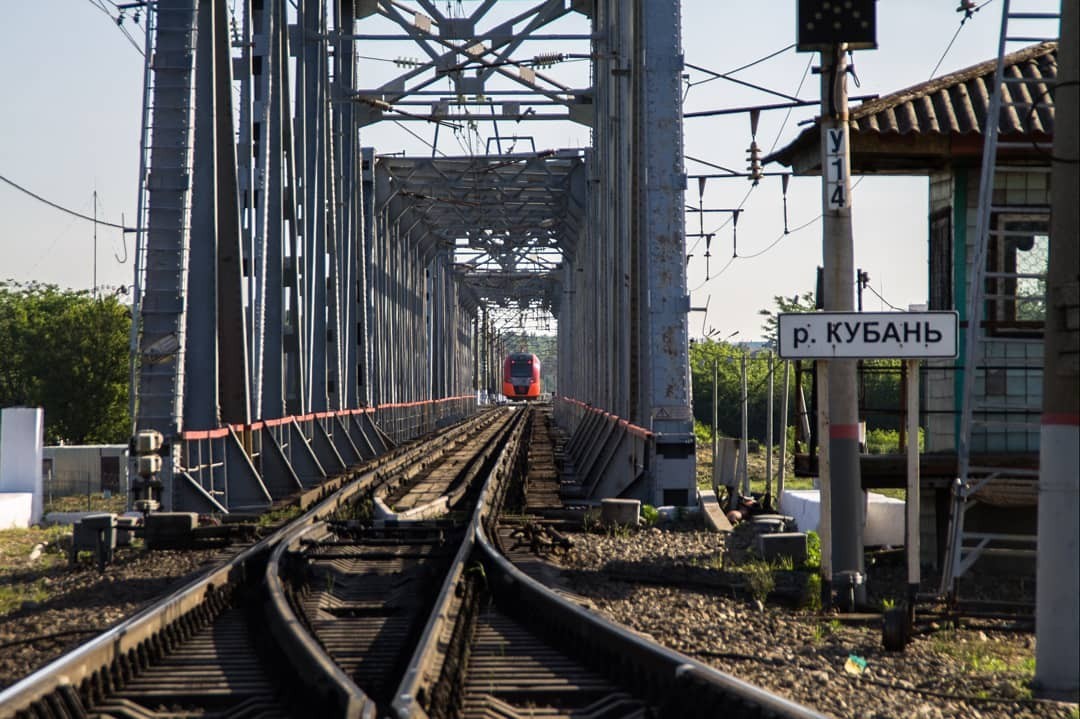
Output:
x=836 y=150
x=865 y=335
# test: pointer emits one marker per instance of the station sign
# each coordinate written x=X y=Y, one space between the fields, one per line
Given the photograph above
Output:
x=867 y=335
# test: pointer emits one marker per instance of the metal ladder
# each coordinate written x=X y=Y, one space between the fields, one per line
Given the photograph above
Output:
x=994 y=364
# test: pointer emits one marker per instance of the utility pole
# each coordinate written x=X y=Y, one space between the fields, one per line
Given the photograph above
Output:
x=1057 y=624
x=839 y=279
x=93 y=287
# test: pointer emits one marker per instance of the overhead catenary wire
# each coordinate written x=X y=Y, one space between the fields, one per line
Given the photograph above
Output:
x=771 y=245
x=878 y=295
x=119 y=20
x=776 y=140
x=54 y=205
x=969 y=11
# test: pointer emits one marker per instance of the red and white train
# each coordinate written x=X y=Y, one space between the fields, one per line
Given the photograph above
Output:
x=521 y=376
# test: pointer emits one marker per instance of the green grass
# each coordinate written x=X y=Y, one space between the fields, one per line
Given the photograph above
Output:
x=15 y=548
x=96 y=502
x=825 y=629
x=989 y=657
x=281 y=514
x=759 y=578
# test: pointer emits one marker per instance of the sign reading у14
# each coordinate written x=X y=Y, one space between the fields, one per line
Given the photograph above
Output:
x=865 y=335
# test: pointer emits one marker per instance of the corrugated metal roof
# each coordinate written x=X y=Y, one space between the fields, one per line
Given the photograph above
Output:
x=956 y=104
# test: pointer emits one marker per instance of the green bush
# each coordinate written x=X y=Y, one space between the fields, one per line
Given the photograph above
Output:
x=813 y=551
x=887 y=441
x=702 y=434
x=650 y=514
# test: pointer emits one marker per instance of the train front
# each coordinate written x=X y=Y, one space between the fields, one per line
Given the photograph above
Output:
x=521 y=376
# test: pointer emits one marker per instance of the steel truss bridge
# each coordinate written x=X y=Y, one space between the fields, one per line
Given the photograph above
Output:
x=304 y=301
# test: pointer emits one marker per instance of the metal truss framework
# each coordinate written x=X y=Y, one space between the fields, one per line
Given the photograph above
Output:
x=271 y=294
x=290 y=279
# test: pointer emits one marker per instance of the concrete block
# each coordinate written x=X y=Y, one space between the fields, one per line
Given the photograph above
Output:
x=773 y=523
x=884 y=515
x=804 y=505
x=96 y=533
x=782 y=544
x=53 y=518
x=620 y=511
x=884 y=521
x=170 y=529
x=22 y=434
x=16 y=508
x=125 y=529
x=715 y=519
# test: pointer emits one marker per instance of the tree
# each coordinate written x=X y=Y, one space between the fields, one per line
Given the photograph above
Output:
x=727 y=359
x=798 y=303
x=67 y=352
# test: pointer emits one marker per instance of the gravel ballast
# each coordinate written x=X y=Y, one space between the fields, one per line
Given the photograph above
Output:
x=83 y=602
x=798 y=653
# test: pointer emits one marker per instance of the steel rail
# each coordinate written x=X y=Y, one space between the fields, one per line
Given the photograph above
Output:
x=56 y=689
x=676 y=684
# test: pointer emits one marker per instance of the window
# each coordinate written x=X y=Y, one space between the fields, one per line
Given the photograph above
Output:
x=521 y=368
x=941 y=260
x=1016 y=274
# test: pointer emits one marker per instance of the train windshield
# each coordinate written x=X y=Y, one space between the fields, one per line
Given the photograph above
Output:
x=521 y=368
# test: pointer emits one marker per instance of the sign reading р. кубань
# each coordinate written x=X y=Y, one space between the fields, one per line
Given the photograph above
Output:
x=864 y=335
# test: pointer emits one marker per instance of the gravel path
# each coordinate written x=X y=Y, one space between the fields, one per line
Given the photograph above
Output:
x=84 y=599
x=798 y=653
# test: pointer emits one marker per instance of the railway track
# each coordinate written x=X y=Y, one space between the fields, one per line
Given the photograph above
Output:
x=387 y=599
x=205 y=649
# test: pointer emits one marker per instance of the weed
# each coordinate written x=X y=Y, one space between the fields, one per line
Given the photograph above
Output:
x=759 y=579
x=278 y=516
x=986 y=657
x=12 y=596
x=783 y=563
x=887 y=604
x=813 y=551
x=825 y=629
x=650 y=514
x=591 y=521
x=812 y=592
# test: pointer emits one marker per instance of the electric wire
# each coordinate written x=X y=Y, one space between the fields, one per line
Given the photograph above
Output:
x=773 y=244
x=878 y=295
x=404 y=127
x=723 y=75
x=52 y=204
x=968 y=14
x=118 y=20
x=776 y=140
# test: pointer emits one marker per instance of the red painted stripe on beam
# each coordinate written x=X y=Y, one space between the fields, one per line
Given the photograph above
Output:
x=844 y=431
x=1063 y=418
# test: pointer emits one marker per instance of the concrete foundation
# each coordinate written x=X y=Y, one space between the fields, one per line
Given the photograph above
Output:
x=884 y=515
x=620 y=511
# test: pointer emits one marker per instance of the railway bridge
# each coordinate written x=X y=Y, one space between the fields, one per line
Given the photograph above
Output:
x=305 y=297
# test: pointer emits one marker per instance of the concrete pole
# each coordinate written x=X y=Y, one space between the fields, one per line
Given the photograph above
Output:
x=769 y=436
x=848 y=506
x=1057 y=610
x=783 y=435
x=911 y=526
x=824 y=486
x=744 y=473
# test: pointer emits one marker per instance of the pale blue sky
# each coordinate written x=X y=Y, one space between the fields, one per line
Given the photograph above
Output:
x=70 y=123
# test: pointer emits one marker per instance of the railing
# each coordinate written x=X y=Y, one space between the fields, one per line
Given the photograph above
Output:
x=248 y=467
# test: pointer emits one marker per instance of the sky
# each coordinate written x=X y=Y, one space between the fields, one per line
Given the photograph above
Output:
x=72 y=88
